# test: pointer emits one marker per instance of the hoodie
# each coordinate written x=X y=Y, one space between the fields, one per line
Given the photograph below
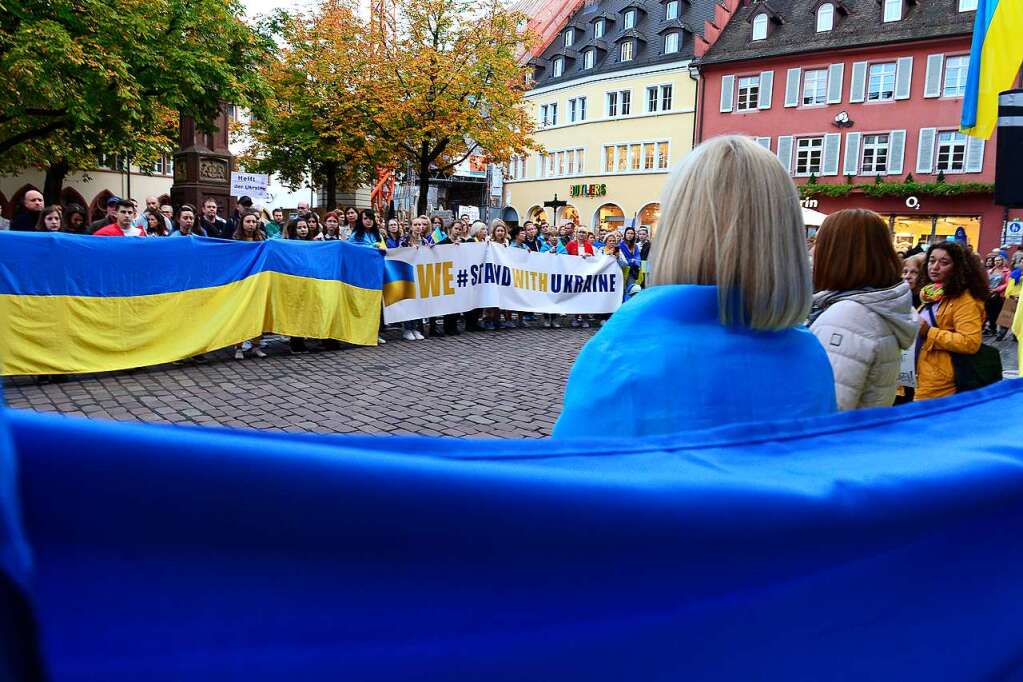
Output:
x=864 y=333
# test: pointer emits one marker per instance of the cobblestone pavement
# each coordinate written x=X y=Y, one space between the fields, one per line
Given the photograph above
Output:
x=505 y=384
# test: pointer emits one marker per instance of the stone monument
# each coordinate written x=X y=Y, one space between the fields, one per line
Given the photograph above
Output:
x=203 y=164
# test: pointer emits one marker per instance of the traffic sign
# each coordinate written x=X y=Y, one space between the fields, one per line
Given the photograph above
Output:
x=1014 y=232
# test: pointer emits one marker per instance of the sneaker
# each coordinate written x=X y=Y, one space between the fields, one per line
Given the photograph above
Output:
x=246 y=345
x=575 y=324
x=239 y=354
x=408 y=335
x=585 y=324
x=546 y=324
x=381 y=340
x=258 y=352
x=556 y=324
x=418 y=334
x=508 y=324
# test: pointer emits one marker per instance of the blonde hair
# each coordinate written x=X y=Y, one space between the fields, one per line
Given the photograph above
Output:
x=731 y=218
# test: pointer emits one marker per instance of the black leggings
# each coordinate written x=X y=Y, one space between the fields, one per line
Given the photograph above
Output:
x=993 y=307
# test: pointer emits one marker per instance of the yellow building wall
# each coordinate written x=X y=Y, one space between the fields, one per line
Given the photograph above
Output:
x=630 y=191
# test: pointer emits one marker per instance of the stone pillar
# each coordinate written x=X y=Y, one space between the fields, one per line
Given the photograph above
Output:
x=203 y=164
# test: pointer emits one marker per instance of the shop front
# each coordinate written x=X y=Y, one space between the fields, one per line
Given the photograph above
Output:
x=928 y=218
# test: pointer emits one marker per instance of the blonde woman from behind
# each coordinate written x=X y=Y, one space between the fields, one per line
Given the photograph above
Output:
x=720 y=331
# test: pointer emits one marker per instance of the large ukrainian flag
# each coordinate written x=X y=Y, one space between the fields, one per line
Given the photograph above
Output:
x=995 y=59
x=71 y=303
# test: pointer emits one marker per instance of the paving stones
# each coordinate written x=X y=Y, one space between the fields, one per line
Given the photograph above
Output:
x=506 y=384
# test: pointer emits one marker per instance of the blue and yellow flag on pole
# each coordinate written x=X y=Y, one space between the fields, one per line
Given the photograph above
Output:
x=995 y=60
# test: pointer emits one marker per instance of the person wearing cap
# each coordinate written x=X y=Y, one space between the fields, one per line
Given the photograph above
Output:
x=109 y=219
x=244 y=206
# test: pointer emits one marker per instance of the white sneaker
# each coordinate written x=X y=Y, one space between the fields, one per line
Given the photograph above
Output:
x=246 y=345
x=381 y=340
x=259 y=353
x=546 y=324
x=408 y=335
x=419 y=335
x=239 y=354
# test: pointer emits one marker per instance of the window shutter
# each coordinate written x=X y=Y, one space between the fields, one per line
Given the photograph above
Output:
x=896 y=151
x=792 y=87
x=903 y=77
x=727 y=92
x=858 y=86
x=766 y=88
x=925 y=151
x=836 y=74
x=974 y=155
x=829 y=160
x=852 y=154
x=764 y=142
x=785 y=152
x=932 y=83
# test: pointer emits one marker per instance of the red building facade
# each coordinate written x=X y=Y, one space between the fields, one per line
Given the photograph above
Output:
x=860 y=92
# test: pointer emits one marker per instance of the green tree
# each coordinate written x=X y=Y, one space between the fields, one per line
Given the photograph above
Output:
x=84 y=77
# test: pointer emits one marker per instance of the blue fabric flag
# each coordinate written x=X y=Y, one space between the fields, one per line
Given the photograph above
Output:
x=871 y=545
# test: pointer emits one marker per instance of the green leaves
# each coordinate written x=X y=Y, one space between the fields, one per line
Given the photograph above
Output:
x=84 y=77
x=879 y=189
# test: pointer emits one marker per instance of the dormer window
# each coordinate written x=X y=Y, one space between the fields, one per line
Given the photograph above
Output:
x=671 y=10
x=626 y=51
x=569 y=37
x=598 y=28
x=558 y=67
x=825 y=17
x=588 y=59
x=892 y=10
x=630 y=19
x=760 y=27
x=671 y=43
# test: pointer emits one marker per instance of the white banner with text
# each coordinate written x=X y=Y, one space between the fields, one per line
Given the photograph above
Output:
x=443 y=280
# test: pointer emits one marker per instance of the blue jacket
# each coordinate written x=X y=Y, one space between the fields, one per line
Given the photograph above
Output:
x=664 y=363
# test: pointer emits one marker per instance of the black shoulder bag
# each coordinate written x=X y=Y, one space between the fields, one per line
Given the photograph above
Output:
x=981 y=369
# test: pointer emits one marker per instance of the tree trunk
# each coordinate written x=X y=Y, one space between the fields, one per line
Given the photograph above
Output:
x=330 y=184
x=54 y=184
x=424 y=185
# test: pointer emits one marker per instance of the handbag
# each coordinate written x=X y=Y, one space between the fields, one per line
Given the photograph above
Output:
x=978 y=370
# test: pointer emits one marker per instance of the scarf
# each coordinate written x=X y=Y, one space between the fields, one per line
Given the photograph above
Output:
x=932 y=293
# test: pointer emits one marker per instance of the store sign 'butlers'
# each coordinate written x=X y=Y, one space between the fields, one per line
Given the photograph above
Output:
x=589 y=190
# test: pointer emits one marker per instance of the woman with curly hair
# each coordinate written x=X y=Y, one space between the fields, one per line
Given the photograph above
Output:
x=952 y=317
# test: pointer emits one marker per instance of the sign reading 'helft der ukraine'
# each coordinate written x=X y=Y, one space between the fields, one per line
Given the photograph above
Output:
x=424 y=282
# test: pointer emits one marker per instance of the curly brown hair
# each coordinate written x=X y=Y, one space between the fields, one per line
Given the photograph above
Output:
x=967 y=272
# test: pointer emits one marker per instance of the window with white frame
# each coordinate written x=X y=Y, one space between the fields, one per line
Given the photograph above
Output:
x=626 y=53
x=967 y=5
x=951 y=152
x=825 y=17
x=636 y=157
x=875 y=155
x=569 y=37
x=630 y=19
x=881 y=82
x=517 y=168
x=749 y=93
x=815 y=86
x=760 y=27
x=549 y=114
x=809 y=151
x=588 y=59
x=619 y=103
x=671 y=10
x=892 y=10
x=558 y=68
x=576 y=109
x=598 y=28
x=955 y=76
x=671 y=43
x=658 y=98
